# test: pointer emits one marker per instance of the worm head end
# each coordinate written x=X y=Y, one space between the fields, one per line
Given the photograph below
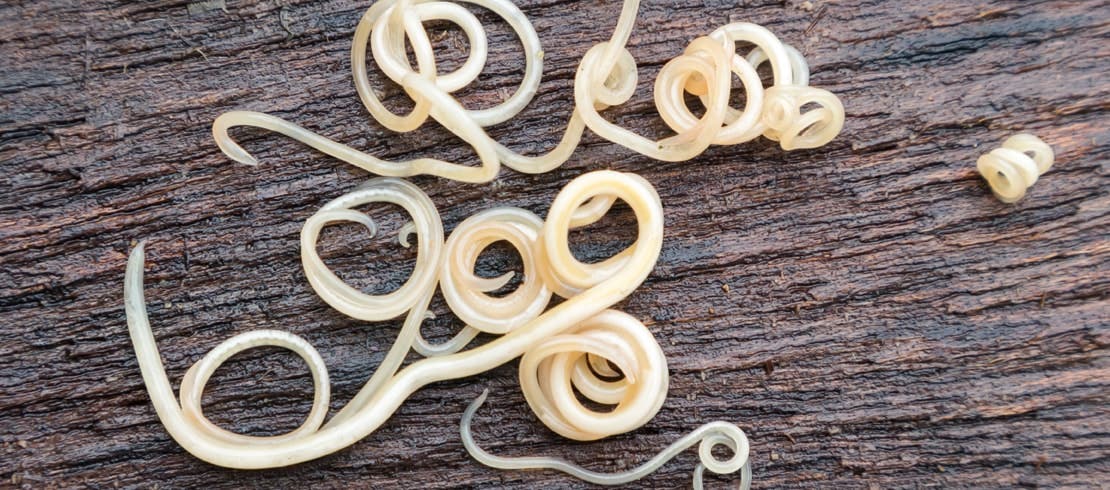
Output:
x=237 y=153
x=228 y=145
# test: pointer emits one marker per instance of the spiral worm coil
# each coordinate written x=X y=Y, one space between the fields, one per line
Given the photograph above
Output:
x=607 y=77
x=1012 y=169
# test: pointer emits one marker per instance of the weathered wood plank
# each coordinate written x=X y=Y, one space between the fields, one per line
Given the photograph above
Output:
x=886 y=323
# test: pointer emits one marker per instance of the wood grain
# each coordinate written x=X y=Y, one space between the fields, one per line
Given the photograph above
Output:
x=867 y=312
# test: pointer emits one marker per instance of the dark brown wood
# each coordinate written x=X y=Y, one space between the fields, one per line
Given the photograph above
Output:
x=867 y=312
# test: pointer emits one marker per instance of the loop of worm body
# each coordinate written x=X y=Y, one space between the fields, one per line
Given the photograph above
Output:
x=554 y=361
x=606 y=77
x=1012 y=169
x=388 y=27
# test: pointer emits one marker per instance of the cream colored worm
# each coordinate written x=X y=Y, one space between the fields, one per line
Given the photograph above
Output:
x=1015 y=167
x=539 y=336
x=606 y=77
x=710 y=435
x=386 y=26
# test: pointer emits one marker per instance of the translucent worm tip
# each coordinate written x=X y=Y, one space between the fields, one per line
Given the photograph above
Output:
x=468 y=414
x=237 y=153
x=139 y=248
x=228 y=145
x=478 y=402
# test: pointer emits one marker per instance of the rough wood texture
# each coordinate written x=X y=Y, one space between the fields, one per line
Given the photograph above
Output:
x=867 y=312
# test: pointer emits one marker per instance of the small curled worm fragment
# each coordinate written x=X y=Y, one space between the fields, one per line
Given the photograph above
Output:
x=707 y=437
x=1012 y=169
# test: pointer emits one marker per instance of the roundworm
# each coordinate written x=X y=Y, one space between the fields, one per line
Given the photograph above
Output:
x=606 y=77
x=709 y=436
x=1015 y=167
x=541 y=336
x=386 y=27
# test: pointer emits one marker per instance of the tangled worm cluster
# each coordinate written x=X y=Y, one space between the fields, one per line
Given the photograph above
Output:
x=1015 y=167
x=606 y=77
x=387 y=26
x=606 y=355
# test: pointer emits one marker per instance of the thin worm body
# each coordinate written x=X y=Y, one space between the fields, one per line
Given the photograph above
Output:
x=606 y=77
x=708 y=435
x=543 y=335
x=387 y=27
x=552 y=372
x=1012 y=169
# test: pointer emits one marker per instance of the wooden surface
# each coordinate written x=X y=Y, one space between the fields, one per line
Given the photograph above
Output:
x=867 y=312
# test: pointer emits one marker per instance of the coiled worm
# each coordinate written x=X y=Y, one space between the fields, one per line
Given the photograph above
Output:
x=526 y=330
x=1012 y=169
